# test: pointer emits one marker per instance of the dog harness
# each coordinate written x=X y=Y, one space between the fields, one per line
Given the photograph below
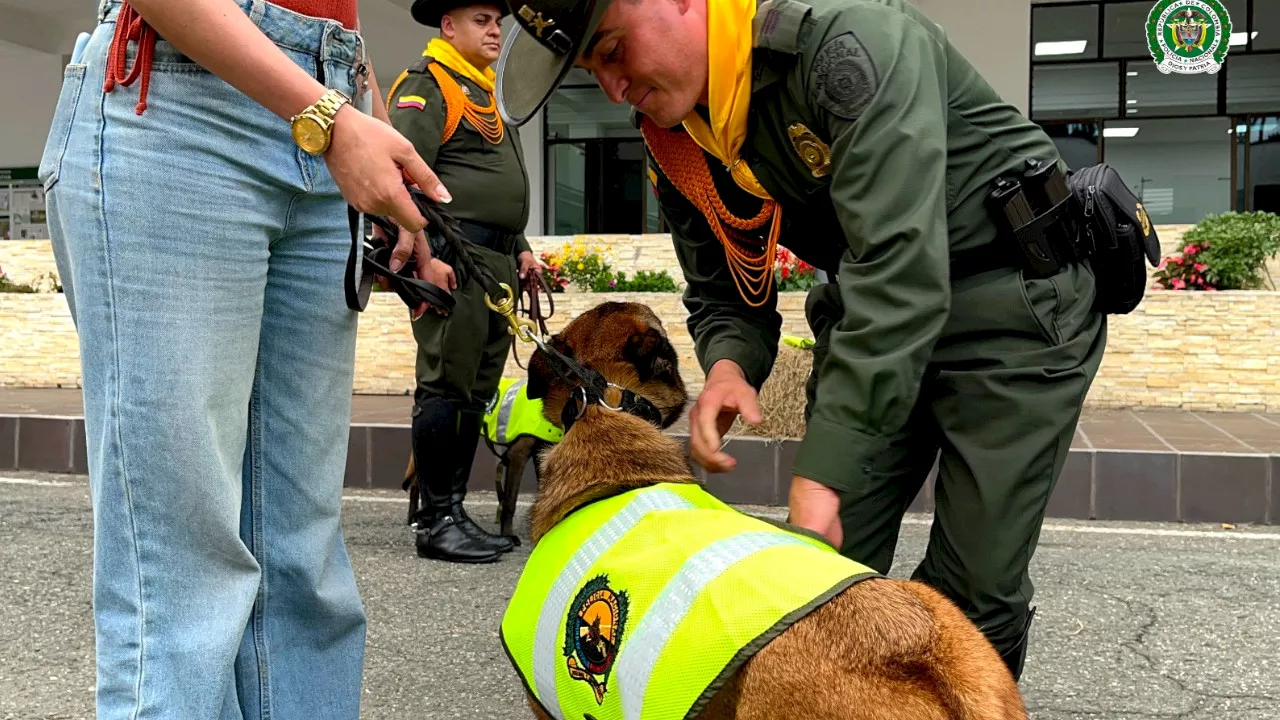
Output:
x=512 y=414
x=642 y=605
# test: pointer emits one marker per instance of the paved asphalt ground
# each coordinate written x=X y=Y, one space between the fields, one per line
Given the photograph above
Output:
x=1135 y=621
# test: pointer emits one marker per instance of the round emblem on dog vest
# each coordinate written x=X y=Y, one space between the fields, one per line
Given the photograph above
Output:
x=597 y=618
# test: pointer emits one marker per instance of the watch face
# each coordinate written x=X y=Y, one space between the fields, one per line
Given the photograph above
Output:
x=309 y=135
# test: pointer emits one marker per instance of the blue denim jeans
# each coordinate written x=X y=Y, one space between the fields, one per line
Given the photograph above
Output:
x=202 y=255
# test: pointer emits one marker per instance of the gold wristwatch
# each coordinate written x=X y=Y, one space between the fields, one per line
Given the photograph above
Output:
x=313 y=127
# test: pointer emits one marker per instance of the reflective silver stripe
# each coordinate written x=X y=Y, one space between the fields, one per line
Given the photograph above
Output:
x=547 y=640
x=504 y=412
x=640 y=652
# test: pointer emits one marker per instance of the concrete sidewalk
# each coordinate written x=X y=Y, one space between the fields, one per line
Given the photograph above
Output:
x=1146 y=465
x=1134 y=621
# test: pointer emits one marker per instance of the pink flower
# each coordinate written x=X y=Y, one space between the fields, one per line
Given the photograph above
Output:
x=1179 y=284
x=1200 y=267
x=1211 y=289
x=1178 y=261
x=1191 y=249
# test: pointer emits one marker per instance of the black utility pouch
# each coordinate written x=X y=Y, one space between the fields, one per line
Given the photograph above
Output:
x=1116 y=234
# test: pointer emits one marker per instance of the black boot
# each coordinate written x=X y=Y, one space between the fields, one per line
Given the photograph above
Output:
x=467 y=440
x=1014 y=652
x=439 y=533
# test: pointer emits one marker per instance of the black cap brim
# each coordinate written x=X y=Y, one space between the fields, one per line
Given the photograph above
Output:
x=429 y=12
x=528 y=72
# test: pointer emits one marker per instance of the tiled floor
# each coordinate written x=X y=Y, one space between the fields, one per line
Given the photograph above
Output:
x=1160 y=430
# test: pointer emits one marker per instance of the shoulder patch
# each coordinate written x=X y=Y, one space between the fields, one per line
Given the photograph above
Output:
x=844 y=78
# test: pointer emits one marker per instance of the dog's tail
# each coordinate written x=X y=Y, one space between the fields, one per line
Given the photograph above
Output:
x=966 y=673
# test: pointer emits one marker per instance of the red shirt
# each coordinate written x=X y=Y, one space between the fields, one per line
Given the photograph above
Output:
x=344 y=11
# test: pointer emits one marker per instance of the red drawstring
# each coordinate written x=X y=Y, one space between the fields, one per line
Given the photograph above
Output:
x=131 y=26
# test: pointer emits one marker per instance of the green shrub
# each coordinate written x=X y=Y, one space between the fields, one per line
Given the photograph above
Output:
x=1235 y=248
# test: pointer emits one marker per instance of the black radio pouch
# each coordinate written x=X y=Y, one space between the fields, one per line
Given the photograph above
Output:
x=1116 y=235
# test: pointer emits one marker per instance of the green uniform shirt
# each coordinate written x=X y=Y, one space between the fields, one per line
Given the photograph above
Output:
x=916 y=139
x=488 y=182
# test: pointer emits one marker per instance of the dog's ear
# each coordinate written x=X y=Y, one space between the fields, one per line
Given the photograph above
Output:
x=652 y=355
x=540 y=373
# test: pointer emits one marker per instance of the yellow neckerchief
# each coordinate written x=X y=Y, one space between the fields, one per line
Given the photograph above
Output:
x=442 y=52
x=485 y=120
x=730 y=41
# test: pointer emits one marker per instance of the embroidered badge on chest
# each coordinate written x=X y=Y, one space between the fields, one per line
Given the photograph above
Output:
x=814 y=153
x=593 y=630
x=844 y=77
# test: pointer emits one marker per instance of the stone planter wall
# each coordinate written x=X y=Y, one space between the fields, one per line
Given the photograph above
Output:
x=1201 y=351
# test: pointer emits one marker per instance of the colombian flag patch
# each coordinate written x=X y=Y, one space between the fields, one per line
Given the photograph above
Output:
x=411 y=101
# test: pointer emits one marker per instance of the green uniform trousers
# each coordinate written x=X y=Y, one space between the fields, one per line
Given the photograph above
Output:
x=461 y=357
x=1000 y=399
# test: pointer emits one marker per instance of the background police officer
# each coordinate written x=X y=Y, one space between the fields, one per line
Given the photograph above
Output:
x=444 y=105
x=853 y=133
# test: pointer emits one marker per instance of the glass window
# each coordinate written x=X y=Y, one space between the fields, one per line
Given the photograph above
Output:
x=1264 y=165
x=1077 y=143
x=1253 y=83
x=1180 y=168
x=585 y=112
x=1064 y=33
x=1125 y=32
x=1150 y=92
x=1067 y=92
x=567 y=168
x=1266 y=24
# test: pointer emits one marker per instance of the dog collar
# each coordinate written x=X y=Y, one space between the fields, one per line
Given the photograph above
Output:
x=631 y=403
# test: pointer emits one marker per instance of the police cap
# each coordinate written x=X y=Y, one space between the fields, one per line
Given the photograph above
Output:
x=429 y=12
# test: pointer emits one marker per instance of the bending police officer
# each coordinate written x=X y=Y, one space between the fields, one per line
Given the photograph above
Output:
x=853 y=133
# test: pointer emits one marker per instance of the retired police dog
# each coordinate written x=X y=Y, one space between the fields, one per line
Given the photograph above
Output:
x=879 y=648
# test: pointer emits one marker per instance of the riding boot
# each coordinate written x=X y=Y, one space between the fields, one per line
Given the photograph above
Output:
x=438 y=533
x=1014 y=652
x=467 y=440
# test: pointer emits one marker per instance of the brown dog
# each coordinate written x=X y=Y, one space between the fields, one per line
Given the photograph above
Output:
x=883 y=648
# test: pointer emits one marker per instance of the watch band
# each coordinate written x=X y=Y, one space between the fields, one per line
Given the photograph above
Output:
x=329 y=103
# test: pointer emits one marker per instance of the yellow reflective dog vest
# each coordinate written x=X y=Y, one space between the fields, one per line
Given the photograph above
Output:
x=512 y=413
x=642 y=605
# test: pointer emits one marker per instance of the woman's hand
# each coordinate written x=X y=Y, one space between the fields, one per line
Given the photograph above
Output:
x=370 y=161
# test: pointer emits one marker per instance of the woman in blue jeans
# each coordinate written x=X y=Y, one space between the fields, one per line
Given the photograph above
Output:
x=203 y=252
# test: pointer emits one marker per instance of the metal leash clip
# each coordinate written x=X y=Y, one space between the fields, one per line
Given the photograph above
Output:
x=522 y=328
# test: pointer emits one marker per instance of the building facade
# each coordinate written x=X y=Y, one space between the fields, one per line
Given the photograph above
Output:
x=1190 y=145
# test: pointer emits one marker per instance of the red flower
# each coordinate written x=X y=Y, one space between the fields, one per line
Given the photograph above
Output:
x=1200 y=267
x=1179 y=284
x=786 y=272
x=1191 y=249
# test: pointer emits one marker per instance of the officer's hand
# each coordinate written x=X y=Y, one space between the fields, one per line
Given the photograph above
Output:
x=816 y=507
x=726 y=395
x=528 y=265
x=441 y=274
x=370 y=161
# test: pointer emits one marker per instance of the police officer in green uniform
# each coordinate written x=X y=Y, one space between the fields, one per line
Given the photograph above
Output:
x=444 y=105
x=853 y=133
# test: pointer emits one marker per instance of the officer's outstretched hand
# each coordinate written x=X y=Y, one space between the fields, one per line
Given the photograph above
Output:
x=816 y=507
x=726 y=395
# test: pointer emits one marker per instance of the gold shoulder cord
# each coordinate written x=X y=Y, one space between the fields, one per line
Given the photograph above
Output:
x=750 y=259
